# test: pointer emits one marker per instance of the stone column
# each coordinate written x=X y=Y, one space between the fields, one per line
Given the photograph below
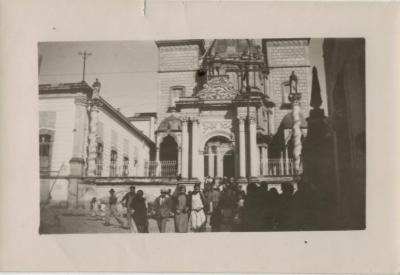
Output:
x=242 y=149
x=77 y=162
x=266 y=166
x=92 y=141
x=93 y=120
x=281 y=165
x=262 y=170
x=295 y=98
x=287 y=163
x=179 y=160
x=200 y=168
x=158 y=170
x=185 y=149
x=195 y=148
x=220 y=163
x=297 y=146
x=211 y=161
x=254 y=163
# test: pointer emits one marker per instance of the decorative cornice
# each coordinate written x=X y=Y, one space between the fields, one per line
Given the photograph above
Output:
x=66 y=88
x=185 y=42
x=287 y=42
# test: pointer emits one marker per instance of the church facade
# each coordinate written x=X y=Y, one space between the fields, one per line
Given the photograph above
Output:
x=232 y=108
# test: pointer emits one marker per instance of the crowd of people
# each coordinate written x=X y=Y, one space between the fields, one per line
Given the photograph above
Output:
x=222 y=205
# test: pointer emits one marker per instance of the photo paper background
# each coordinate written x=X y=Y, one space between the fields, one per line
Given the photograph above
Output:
x=25 y=23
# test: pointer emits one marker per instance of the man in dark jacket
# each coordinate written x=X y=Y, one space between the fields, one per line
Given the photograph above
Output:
x=140 y=212
x=163 y=209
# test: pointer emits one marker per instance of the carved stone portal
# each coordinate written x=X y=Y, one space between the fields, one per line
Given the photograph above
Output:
x=218 y=88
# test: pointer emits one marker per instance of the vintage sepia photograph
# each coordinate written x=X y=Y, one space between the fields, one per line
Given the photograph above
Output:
x=202 y=135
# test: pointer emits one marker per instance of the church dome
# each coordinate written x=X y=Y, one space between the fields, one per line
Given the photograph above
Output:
x=170 y=123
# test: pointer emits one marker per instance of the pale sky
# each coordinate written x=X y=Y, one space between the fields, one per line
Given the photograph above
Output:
x=127 y=70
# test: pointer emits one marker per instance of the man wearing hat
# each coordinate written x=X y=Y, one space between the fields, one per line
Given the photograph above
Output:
x=163 y=208
x=127 y=202
x=112 y=209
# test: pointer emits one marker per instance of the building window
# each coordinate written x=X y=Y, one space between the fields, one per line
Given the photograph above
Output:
x=113 y=163
x=99 y=159
x=45 y=152
x=175 y=93
x=125 y=170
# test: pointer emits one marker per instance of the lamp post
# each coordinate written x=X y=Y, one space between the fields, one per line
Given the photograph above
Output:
x=294 y=98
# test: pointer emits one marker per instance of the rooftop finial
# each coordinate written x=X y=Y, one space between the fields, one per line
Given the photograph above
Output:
x=96 y=88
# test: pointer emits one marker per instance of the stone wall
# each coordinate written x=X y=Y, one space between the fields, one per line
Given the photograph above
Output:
x=59 y=190
x=178 y=58
x=118 y=137
x=57 y=114
x=178 y=65
x=280 y=75
x=345 y=77
x=285 y=56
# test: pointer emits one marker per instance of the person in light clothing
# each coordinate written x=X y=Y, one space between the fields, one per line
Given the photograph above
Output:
x=112 y=209
x=94 y=207
x=197 y=214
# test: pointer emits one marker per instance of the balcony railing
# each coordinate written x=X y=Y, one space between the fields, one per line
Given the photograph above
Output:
x=278 y=167
x=164 y=168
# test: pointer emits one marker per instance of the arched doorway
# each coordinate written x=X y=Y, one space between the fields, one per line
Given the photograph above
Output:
x=219 y=157
x=169 y=157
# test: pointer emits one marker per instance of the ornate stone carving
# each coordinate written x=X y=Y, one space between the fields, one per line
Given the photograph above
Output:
x=215 y=113
x=252 y=118
x=218 y=88
x=241 y=117
x=241 y=112
x=214 y=125
x=185 y=119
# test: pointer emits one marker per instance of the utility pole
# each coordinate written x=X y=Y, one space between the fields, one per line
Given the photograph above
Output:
x=84 y=56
